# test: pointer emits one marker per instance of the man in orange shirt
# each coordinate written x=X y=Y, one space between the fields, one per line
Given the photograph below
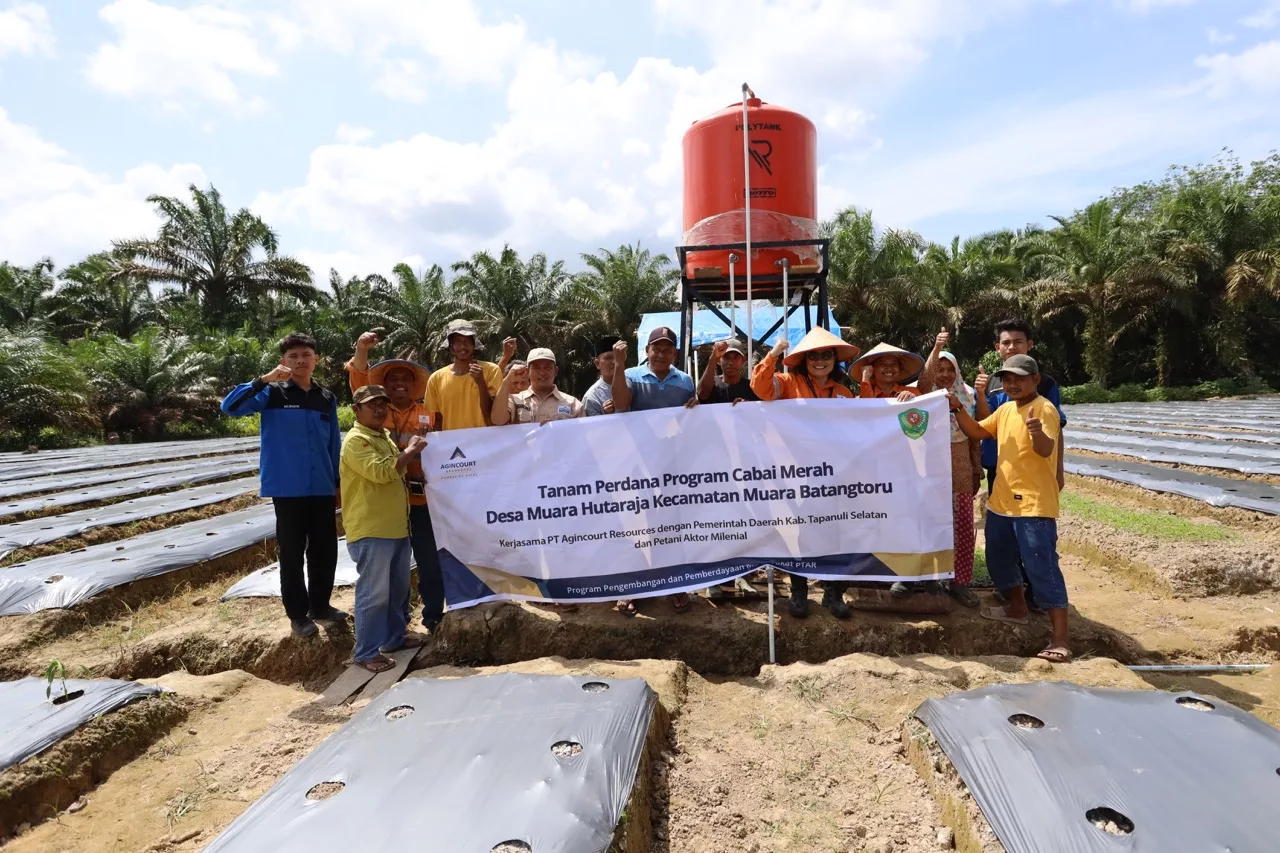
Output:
x=407 y=416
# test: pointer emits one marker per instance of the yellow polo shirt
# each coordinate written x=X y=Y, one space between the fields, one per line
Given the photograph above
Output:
x=375 y=501
x=1026 y=482
x=457 y=398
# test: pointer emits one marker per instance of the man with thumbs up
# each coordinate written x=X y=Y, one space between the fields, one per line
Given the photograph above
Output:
x=1022 y=514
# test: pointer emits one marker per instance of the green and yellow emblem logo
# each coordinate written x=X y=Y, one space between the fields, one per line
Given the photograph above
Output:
x=914 y=423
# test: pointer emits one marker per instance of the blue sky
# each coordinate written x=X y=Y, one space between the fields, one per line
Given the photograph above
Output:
x=423 y=130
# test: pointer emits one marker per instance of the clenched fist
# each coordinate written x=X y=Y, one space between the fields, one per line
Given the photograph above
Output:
x=509 y=348
x=718 y=351
x=620 y=352
x=477 y=373
x=279 y=374
x=367 y=341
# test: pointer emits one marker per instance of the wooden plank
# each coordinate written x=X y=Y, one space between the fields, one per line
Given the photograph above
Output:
x=352 y=679
x=384 y=680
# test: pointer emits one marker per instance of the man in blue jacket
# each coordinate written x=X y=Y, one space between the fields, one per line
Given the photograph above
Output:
x=298 y=469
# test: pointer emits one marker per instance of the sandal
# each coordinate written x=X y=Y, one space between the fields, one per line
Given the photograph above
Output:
x=1055 y=654
x=964 y=595
x=998 y=615
x=376 y=665
x=626 y=608
x=680 y=602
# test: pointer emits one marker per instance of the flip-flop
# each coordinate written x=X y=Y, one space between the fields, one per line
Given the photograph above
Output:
x=680 y=602
x=1055 y=654
x=1000 y=616
x=626 y=608
x=376 y=665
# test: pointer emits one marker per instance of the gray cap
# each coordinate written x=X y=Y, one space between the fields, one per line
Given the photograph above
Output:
x=461 y=327
x=1020 y=365
x=737 y=346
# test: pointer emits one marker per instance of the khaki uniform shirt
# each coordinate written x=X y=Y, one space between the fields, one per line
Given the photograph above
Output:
x=528 y=407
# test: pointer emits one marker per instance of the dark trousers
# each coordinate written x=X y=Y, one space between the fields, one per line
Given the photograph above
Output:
x=306 y=527
x=422 y=539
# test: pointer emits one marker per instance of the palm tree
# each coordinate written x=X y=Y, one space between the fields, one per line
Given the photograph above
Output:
x=1094 y=269
x=214 y=255
x=40 y=385
x=508 y=297
x=95 y=297
x=413 y=313
x=619 y=288
x=875 y=289
x=148 y=381
x=979 y=277
x=24 y=293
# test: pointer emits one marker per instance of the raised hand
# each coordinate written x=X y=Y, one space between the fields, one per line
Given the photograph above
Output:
x=520 y=371
x=509 y=348
x=620 y=352
x=718 y=351
x=980 y=384
x=780 y=347
x=1033 y=423
x=942 y=340
x=367 y=341
x=278 y=374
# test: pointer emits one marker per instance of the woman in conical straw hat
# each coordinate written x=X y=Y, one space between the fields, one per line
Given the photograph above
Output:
x=813 y=368
x=884 y=369
x=812 y=371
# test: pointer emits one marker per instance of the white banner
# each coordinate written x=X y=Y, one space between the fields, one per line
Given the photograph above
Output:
x=651 y=503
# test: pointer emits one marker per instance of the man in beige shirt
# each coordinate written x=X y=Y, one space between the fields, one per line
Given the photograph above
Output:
x=542 y=401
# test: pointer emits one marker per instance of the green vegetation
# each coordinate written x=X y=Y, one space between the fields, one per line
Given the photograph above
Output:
x=1154 y=524
x=1167 y=290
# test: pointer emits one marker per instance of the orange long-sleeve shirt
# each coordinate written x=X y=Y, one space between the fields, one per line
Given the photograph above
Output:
x=790 y=386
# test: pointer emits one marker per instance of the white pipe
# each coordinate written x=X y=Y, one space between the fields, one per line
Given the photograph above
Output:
x=746 y=195
x=786 y=305
x=1211 y=667
x=733 y=298
x=773 y=658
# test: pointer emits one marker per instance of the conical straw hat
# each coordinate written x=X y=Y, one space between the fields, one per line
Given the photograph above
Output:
x=819 y=339
x=378 y=374
x=911 y=363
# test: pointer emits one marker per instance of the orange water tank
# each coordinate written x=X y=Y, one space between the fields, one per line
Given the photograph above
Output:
x=783 y=148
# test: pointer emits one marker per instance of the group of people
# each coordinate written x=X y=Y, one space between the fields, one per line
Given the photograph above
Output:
x=1008 y=424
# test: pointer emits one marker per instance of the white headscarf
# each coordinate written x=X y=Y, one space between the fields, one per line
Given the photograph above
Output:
x=965 y=394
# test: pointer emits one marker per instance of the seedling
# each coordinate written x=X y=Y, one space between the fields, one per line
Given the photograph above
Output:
x=56 y=671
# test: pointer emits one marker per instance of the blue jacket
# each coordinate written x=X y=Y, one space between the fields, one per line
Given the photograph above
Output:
x=301 y=443
x=1048 y=389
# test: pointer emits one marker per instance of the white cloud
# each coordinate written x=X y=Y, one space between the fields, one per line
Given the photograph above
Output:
x=403 y=80
x=1217 y=36
x=1265 y=18
x=1257 y=69
x=178 y=56
x=51 y=205
x=25 y=29
x=352 y=134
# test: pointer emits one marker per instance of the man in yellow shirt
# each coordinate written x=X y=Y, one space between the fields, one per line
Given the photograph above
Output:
x=375 y=514
x=1022 y=514
x=463 y=392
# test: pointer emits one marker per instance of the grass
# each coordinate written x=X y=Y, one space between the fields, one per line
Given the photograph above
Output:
x=1153 y=524
x=981 y=574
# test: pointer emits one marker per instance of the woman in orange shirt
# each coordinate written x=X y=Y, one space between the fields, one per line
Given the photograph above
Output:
x=812 y=370
x=882 y=368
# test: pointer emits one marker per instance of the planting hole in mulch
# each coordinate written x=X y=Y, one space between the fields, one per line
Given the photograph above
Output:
x=1026 y=721
x=399 y=712
x=595 y=687
x=566 y=749
x=51 y=579
x=120 y=560
x=325 y=790
x=1109 y=821
x=1193 y=703
x=68 y=697
x=212 y=533
x=512 y=847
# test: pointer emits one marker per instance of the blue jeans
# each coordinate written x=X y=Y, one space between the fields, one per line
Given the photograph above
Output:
x=382 y=594
x=427 y=556
x=1035 y=540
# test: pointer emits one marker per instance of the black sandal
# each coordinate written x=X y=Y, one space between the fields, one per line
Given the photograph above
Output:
x=381 y=663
